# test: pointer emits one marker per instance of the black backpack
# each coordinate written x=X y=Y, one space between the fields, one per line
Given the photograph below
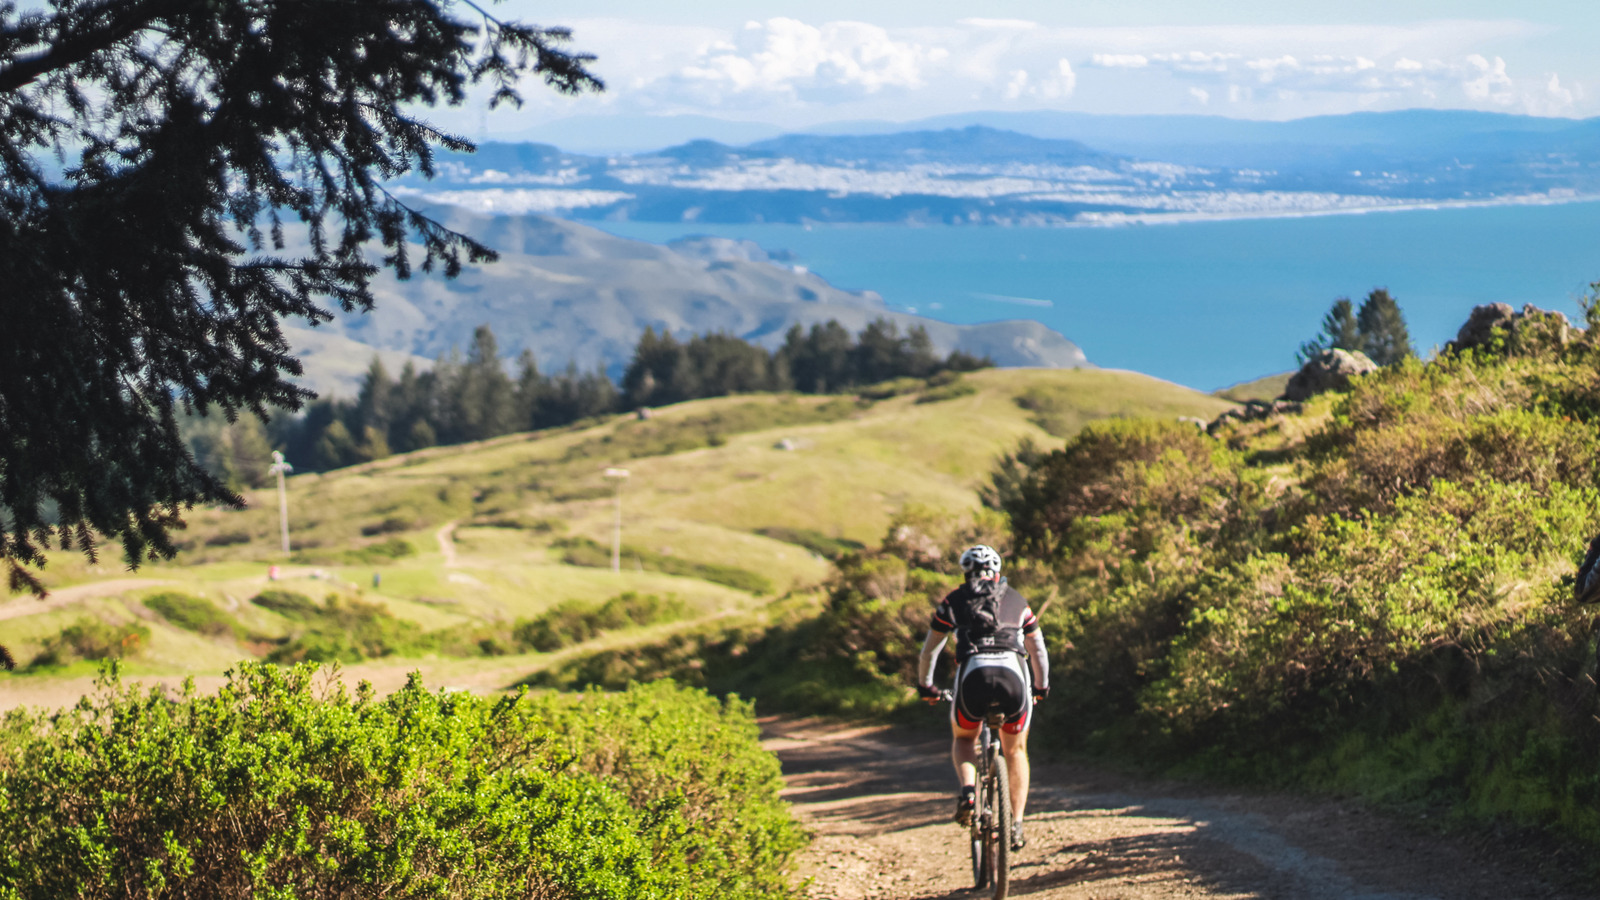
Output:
x=980 y=624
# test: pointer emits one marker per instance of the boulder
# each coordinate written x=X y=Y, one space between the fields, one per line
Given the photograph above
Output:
x=1528 y=331
x=1480 y=326
x=1330 y=370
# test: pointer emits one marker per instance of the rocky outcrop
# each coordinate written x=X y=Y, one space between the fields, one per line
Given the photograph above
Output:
x=1253 y=411
x=1521 y=332
x=1330 y=370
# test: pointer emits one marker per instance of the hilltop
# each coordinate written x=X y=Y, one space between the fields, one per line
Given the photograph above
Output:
x=571 y=292
x=477 y=536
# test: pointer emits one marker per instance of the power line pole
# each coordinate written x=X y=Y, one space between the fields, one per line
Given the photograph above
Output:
x=619 y=476
x=279 y=467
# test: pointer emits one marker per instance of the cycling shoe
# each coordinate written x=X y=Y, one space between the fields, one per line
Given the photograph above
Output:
x=1018 y=839
x=964 y=806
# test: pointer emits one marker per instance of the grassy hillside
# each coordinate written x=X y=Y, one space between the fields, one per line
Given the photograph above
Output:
x=1374 y=596
x=732 y=502
x=1269 y=387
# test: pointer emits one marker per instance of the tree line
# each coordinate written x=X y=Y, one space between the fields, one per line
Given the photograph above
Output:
x=471 y=398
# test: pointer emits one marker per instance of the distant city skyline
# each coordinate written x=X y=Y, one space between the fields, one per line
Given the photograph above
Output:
x=797 y=65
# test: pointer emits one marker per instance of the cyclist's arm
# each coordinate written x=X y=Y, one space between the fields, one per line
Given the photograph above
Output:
x=1034 y=641
x=931 y=645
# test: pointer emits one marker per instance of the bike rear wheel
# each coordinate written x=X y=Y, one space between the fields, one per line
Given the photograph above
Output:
x=1000 y=835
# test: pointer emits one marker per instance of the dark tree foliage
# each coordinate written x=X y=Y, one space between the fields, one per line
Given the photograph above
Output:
x=154 y=155
x=1384 y=336
x=664 y=371
x=1377 y=329
x=1339 y=332
x=458 y=401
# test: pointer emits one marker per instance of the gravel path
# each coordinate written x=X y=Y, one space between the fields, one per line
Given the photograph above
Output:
x=879 y=802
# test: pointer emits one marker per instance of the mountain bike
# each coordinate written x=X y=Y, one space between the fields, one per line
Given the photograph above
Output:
x=990 y=831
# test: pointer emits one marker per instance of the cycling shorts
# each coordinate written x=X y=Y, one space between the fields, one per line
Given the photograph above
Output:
x=993 y=683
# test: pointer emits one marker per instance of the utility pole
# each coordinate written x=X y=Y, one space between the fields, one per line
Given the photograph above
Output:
x=619 y=476
x=279 y=467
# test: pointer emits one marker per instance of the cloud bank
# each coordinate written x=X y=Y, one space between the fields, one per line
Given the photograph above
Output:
x=797 y=72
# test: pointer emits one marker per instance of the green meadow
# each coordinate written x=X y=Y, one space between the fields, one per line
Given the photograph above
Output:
x=437 y=560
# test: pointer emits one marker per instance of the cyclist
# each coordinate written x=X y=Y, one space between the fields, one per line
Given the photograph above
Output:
x=995 y=632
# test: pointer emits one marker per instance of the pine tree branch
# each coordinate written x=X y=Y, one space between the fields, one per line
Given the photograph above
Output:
x=126 y=18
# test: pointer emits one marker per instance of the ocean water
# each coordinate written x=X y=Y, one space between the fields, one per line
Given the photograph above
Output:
x=1206 y=304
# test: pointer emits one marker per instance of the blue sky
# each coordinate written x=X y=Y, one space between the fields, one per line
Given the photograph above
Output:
x=798 y=64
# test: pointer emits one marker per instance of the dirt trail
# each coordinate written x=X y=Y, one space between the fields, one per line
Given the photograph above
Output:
x=24 y=605
x=879 y=802
x=447 y=544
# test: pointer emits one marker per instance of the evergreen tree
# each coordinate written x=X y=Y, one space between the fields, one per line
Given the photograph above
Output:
x=529 y=392
x=819 y=362
x=484 y=398
x=412 y=402
x=1384 y=335
x=374 y=402
x=1339 y=332
x=879 y=353
x=334 y=448
x=918 y=357
x=154 y=156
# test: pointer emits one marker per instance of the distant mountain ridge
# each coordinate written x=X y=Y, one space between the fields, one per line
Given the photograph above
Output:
x=1050 y=168
x=569 y=292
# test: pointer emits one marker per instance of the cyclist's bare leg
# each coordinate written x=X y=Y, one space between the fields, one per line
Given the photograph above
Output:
x=964 y=753
x=1014 y=747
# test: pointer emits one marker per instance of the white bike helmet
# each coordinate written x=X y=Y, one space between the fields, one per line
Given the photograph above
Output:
x=980 y=562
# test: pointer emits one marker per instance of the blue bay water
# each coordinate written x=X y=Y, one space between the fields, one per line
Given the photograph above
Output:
x=1206 y=304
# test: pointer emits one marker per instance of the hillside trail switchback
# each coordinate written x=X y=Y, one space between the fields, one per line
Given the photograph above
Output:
x=878 y=801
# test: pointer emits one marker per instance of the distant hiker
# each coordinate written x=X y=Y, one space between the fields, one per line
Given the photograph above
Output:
x=996 y=634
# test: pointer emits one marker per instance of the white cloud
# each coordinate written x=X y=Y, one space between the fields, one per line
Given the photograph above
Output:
x=1200 y=94
x=1491 y=81
x=787 y=56
x=1119 y=60
x=1069 y=78
x=1017 y=85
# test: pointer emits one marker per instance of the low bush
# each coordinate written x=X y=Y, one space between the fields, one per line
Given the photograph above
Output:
x=576 y=621
x=390 y=525
x=91 y=639
x=288 y=603
x=192 y=614
x=348 y=630
x=283 y=785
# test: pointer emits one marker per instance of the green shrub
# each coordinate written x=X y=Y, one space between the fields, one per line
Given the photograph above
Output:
x=288 y=604
x=192 y=614
x=276 y=787
x=575 y=621
x=389 y=525
x=347 y=630
x=92 y=639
